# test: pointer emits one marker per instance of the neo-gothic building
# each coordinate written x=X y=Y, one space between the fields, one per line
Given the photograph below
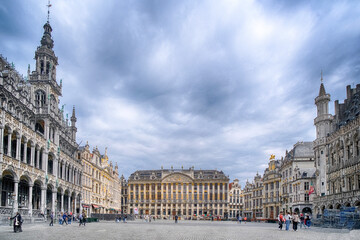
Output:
x=337 y=151
x=184 y=192
x=39 y=172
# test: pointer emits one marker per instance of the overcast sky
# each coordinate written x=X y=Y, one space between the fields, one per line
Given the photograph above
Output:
x=210 y=84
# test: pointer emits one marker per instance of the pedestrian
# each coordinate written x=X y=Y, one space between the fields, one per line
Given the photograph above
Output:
x=281 y=220
x=65 y=218
x=124 y=218
x=17 y=222
x=176 y=218
x=307 y=221
x=240 y=219
x=295 y=221
x=84 y=218
x=287 y=221
x=237 y=218
x=51 y=219
x=302 y=219
x=60 y=218
x=80 y=219
x=245 y=219
x=69 y=218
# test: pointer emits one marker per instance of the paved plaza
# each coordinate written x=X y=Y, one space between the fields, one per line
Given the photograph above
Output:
x=169 y=230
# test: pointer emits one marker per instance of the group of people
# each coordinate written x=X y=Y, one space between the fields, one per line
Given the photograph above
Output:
x=295 y=219
x=240 y=219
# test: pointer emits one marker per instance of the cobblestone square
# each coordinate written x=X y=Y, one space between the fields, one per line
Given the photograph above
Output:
x=169 y=230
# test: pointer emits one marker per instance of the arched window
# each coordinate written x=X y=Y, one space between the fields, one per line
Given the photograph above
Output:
x=41 y=67
x=39 y=126
x=50 y=164
x=40 y=98
x=47 y=67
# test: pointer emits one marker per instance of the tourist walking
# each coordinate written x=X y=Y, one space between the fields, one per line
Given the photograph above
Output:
x=287 y=221
x=281 y=220
x=307 y=221
x=176 y=218
x=80 y=219
x=302 y=219
x=65 y=218
x=17 y=222
x=51 y=219
x=240 y=219
x=295 y=221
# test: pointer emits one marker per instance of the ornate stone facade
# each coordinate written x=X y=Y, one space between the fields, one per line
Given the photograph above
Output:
x=271 y=183
x=337 y=151
x=235 y=199
x=187 y=193
x=297 y=175
x=101 y=182
x=39 y=170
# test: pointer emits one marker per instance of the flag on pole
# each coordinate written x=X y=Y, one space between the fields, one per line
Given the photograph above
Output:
x=312 y=189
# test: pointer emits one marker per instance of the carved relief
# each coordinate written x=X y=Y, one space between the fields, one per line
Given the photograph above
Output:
x=177 y=178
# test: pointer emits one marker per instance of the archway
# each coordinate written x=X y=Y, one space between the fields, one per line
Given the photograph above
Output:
x=49 y=194
x=36 y=197
x=337 y=206
x=307 y=210
x=297 y=210
x=23 y=195
x=7 y=189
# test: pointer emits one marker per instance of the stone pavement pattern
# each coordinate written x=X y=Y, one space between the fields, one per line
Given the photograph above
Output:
x=192 y=230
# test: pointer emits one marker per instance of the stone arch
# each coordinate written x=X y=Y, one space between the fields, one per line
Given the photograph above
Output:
x=8 y=179
x=357 y=203
x=337 y=206
x=347 y=204
x=307 y=210
x=330 y=206
x=36 y=201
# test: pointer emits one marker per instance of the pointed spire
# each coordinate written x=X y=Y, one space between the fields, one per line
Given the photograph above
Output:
x=322 y=91
x=73 y=117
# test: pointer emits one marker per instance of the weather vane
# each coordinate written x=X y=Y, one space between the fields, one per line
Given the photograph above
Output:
x=49 y=5
x=321 y=77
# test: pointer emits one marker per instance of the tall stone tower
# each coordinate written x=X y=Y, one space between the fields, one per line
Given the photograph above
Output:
x=323 y=124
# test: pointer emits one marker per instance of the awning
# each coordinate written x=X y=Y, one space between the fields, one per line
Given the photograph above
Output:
x=111 y=209
x=85 y=206
x=96 y=206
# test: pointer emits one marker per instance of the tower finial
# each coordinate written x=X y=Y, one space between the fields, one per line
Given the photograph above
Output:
x=321 y=77
x=48 y=16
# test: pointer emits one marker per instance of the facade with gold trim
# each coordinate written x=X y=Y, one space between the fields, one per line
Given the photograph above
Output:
x=271 y=183
x=101 y=182
x=39 y=171
x=187 y=193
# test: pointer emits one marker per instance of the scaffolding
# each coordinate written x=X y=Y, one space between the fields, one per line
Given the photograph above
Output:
x=345 y=217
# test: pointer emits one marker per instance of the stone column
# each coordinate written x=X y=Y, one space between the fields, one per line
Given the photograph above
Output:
x=30 y=199
x=63 y=175
x=37 y=158
x=162 y=197
x=18 y=146
x=53 y=204
x=15 y=196
x=156 y=199
x=1 y=142
x=74 y=210
x=32 y=154
x=43 y=199
x=25 y=151
x=197 y=199
x=45 y=161
x=69 y=203
x=9 y=143
x=62 y=201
